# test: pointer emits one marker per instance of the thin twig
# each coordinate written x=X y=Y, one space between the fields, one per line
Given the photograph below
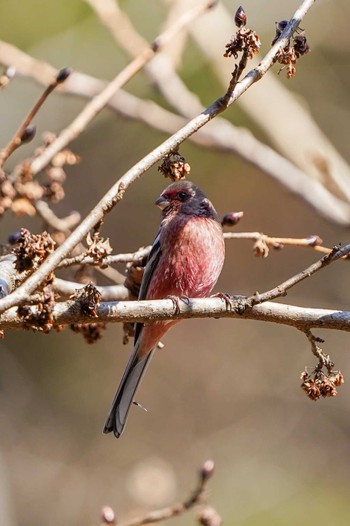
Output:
x=108 y=293
x=132 y=257
x=313 y=242
x=281 y=290
x=49 y=217
x=17 y=139
x=176 y=509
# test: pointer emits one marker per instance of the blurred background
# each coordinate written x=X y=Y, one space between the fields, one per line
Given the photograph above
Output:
x=221 y=389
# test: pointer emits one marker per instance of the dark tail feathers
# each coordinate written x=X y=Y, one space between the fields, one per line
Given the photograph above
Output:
x=124 y=397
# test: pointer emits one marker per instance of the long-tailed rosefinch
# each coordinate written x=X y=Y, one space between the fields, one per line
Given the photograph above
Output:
x=185 y=261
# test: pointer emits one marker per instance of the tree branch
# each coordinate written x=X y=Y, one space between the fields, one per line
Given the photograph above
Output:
x=116 y=192
x=68 y=312
x=174 y=510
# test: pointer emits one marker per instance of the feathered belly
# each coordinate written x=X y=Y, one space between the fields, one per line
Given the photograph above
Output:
x=191 y=261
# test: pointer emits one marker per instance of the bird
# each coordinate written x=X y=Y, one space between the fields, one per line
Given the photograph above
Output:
x=185 y=261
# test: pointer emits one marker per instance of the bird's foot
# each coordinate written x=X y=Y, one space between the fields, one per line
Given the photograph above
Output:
x=239 y=304
x=226 y=298
x=176 y=301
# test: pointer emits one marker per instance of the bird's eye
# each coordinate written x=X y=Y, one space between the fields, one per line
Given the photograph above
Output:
x=182 y=195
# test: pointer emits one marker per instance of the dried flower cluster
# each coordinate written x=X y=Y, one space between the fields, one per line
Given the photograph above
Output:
x=39 y=318
x=89 y=299
x=320 y=384
x=91 y=332
x=174 y=166
x=98 y=248
x=32 y=249
x=19 y=194
x=245 y=41
x=297 y=46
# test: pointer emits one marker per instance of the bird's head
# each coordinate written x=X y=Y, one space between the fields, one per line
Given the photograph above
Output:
x=186 y=198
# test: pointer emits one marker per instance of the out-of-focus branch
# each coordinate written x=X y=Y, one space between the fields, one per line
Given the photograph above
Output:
x=108 y=292
x=24 y=133
x=49 y=217
x=96 y=105
x=221 y=135
x=116 y=192
x=173 y=510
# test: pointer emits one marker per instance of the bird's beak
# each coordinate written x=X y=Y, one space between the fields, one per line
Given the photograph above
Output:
x=162 y=202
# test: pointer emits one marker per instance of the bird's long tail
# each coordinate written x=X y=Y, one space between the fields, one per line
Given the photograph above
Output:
x=124 y=397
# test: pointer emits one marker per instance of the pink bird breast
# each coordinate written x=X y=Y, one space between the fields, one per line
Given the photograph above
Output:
x=192 y=257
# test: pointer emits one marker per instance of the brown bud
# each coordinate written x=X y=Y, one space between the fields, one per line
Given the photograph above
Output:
x=240 y=17
x=29 y=133
x=63 y=74
x=232 y=218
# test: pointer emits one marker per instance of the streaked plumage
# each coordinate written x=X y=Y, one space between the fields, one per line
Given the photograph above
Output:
x=186 y=260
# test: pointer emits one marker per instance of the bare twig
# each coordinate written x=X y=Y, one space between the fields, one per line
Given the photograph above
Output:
x=281 y=290
x=313 y=242
x=20 y=134
x=108 y=293
x=176 y=509
x=132 y=257
x=49 y=217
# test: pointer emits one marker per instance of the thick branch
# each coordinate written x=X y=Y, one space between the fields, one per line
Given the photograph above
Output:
x=302 y=318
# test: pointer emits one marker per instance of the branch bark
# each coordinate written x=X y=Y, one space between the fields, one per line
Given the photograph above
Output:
x=302 y=318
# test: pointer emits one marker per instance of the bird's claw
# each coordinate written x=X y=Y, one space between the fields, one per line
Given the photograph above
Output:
x=176 y=302
x=237 y=304
x=227 y=299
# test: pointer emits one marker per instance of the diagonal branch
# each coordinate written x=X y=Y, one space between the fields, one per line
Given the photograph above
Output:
x=116 y=192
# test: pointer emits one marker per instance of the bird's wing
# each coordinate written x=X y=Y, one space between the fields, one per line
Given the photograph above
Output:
x=151 y=265
x=136 y=366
